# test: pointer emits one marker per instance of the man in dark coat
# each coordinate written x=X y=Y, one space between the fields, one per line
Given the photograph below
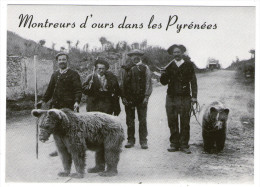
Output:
x=181 y=94
x=64 y=88
x=102 y=89
x=136 y=89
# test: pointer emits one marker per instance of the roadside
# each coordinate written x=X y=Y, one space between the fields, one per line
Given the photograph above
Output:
x=234 y=165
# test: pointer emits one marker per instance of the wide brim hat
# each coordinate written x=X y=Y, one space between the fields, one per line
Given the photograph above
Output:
x=136 y=52
x=102 y=61
x=171 y=48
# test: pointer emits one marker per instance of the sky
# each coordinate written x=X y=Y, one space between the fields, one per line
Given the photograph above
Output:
x=233 y=37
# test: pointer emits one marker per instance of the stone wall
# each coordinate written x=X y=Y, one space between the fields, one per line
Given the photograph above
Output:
x=20 y=77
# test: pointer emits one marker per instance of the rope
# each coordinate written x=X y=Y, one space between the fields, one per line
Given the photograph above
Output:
x=194 y=111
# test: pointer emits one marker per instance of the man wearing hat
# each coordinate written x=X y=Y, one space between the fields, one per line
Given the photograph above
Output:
x=136 y=89
x=64 y=88
x=102 y=89
x=182 y=91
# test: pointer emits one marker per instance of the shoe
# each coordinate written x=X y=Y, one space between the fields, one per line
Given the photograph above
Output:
x=186 y=150
x=96 y=169
x=144 y=146
x=53 y=154
x=129 y=145
x=173 y=149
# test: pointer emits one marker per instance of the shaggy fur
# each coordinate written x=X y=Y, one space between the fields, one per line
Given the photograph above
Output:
x=214 y=126
x=74 y=133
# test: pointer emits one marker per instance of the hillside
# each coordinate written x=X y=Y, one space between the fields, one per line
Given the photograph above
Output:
x=16 y=45
x=81 y=61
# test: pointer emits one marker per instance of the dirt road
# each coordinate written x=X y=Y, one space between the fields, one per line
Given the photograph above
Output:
x=156 y=164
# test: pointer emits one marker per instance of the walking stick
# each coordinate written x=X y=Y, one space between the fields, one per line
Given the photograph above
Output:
x=35 y=99
x=91 y=81
x=164 y=68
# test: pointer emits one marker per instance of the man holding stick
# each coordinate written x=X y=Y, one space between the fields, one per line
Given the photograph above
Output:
x=64 y=88
x=182 y=91
x=102 y=89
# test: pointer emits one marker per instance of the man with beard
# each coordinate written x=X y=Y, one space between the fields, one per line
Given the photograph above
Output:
x=136 y=89
x=64 y=88
x=181 y=94
x=102 y=90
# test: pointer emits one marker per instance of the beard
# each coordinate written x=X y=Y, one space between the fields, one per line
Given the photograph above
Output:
x=63 y=65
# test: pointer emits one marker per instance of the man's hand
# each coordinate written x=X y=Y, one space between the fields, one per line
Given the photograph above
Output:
x=39 y=104
x=76 y=107
x=145 y=101
x=194 y=101
x=124 y=101
x=163 y=70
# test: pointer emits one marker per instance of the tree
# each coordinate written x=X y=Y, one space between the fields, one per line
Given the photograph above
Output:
x=27 y=45
x=122 y=46
x=69 y=43
x=85 y=47
x=143 y=45
x=103 y=41
x=42 y=42
x=135 y=45
x=77 y=43
x=109 y=46
x=252 y=51
x=62 y=49
x=237 y=59
x=53 y=46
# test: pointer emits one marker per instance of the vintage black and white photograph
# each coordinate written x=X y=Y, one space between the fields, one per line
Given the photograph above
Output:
x=130 y=94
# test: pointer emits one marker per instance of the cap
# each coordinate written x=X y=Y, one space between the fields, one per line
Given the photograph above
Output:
x=61 y=53
x=136 y=52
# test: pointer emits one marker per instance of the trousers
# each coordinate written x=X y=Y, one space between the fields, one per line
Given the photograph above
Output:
x=130 y=122
x=179 y=107
x=100 y=104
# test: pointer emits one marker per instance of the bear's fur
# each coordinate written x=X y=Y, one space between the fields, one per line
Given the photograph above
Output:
x=214 y=127
x=74 y=133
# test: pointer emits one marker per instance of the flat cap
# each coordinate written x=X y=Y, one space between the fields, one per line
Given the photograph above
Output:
x=136 y=52
x=171 y=48
x=61 y=53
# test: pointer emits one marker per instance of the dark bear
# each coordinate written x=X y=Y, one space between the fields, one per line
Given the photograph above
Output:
x=74 y=133
x=214 y=127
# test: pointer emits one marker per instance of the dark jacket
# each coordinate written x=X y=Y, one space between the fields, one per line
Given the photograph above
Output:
x=112 y=86
x=136 y=82
x=112 y=93
x=64 y=89
x=181 y=80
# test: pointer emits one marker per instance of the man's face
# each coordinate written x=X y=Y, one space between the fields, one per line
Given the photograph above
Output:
x=101 y=69
x=135 y=59
x=177 y=54
x=62 y=61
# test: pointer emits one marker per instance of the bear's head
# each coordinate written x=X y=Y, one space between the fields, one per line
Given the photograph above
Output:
x=48 y=121
x=219 y=117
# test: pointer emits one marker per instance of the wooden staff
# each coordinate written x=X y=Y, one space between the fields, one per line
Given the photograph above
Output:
x=91 y=81
x=35 y=76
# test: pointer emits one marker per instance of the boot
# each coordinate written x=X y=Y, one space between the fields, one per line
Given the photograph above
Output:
x=144 y=145
x=186 y=150
x=173 y=149
x=129 y=144
x=53 y=154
